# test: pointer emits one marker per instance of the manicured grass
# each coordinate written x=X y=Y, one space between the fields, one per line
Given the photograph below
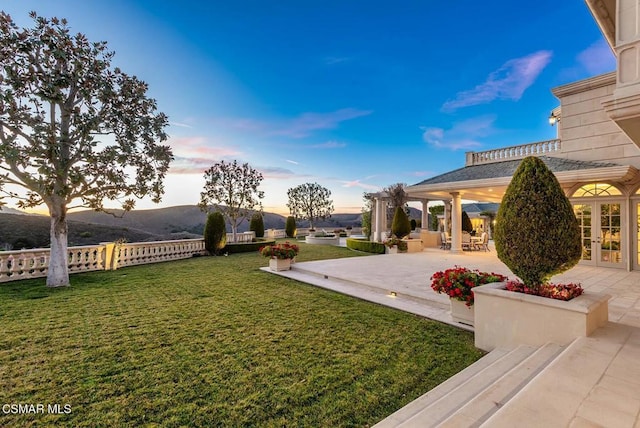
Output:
x=213 y=341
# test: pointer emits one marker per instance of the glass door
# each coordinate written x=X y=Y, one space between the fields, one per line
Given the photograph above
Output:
x=601 y=232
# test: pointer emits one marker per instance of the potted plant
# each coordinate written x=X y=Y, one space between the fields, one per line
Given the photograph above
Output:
x=395 y=245
x=536 y=236
x=280 y=255
x=458 y=283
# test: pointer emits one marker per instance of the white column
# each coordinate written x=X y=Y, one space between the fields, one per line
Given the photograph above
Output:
x=425 y=215
x=456 y=223
x=383 y=215
x=447 y=215
x=374 y=216
x=379 y=216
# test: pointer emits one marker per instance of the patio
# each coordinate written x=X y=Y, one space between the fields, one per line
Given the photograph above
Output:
x=594 y=381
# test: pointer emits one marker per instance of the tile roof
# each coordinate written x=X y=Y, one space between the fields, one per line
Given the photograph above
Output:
x=507 y=168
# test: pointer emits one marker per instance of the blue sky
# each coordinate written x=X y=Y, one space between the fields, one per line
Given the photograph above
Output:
x=354 y=95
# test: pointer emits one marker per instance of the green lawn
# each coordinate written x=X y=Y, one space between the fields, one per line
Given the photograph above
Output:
x=213 y=341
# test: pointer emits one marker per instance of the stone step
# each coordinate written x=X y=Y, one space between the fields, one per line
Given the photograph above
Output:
x=451 y=384
x=489 y=401
x=439 y=301
x=447 y=405
x=593 y=382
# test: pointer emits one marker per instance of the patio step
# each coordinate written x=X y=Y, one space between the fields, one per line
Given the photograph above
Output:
x=438 y=301
x=473 y=395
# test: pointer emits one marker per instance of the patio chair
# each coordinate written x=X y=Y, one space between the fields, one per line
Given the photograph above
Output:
x=446 y=241
x=484 y=244
x=466 y=241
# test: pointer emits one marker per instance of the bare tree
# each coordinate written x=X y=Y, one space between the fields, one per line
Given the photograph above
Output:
x=58 y=93
x=232 y=189
x=310 y=201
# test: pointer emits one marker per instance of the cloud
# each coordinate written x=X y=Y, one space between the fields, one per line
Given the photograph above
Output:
x=506 y=83
x=278 y=173
x=328 y=145
x=181 y=125
x=301 y=126
x=358 y=183
x=292 y=162
x=462 y=135
x=306 y=123
x=597 y=58
x=195 y=154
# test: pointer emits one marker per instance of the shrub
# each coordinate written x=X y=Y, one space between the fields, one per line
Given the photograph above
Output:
x=366 y=223
x=458 y=282
x=466 y=222
x=215 y=233
x=414 y=224
x=257 y=225
x=536 y=233
x=551 y=291
x=397 y=242
x=400 y=226
x=290 y=227
x=283 y=251
x=246 y=247
x=365 y=246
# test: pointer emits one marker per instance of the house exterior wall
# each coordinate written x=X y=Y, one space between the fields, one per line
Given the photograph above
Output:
x=585 y=129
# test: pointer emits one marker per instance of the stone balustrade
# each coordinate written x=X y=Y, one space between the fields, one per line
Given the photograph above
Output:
x=26 y=264
x=242 y=237
x=138 y=253
x=514 y=152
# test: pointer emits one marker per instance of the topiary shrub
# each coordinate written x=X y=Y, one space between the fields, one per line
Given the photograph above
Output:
x=215 y=233
x=400 y=226
x=414 y=224
x=536 y=233
x=257 y=225
x=365 y=246
x=290 y=227
x=466 y=222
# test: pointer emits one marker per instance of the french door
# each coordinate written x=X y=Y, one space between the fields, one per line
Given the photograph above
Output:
x=601 y=230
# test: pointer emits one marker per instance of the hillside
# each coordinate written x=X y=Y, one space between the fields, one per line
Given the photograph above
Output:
x=189 y=218
x=180 y=222
x=19 y=231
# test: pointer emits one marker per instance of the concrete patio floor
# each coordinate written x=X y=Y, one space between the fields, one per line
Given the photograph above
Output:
x=596 y=384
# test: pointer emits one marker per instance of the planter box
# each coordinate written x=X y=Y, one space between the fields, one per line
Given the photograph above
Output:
x=462 y=313
x=506 y=318
x=323 y=240
x=413 y=245
x=391 y=250
x=278 y=265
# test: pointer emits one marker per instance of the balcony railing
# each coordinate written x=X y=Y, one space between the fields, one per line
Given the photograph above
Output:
x=514 y=152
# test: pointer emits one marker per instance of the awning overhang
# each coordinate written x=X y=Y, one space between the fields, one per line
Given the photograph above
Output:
x=493 y=189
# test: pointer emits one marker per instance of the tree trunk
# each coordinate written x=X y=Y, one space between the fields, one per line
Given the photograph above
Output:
x=234 y=231
x=58 y=273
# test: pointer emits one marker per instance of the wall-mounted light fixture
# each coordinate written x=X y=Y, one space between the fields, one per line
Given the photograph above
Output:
x=554 y=116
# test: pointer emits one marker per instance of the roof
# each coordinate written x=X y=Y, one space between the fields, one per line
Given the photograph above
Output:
x=508 y=168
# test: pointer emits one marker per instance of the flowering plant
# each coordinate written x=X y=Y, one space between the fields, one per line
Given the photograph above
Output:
x=280 y=251
x=458 y=282
x=549 y=290
x=393 y=241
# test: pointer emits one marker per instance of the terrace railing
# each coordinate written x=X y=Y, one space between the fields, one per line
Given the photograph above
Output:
x=513 y=152
x=26 y=264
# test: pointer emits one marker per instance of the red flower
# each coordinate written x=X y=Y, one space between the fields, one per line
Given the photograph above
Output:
x=458 y=282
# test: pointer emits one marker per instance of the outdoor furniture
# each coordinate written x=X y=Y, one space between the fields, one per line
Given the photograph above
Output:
x=476 y=241
x=484 y=242
x=446 y=241
x=466 y=241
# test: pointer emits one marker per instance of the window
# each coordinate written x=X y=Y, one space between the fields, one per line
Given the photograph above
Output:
x=596 y=189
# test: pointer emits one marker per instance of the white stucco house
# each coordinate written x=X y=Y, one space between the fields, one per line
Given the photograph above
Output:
x=596 y=156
